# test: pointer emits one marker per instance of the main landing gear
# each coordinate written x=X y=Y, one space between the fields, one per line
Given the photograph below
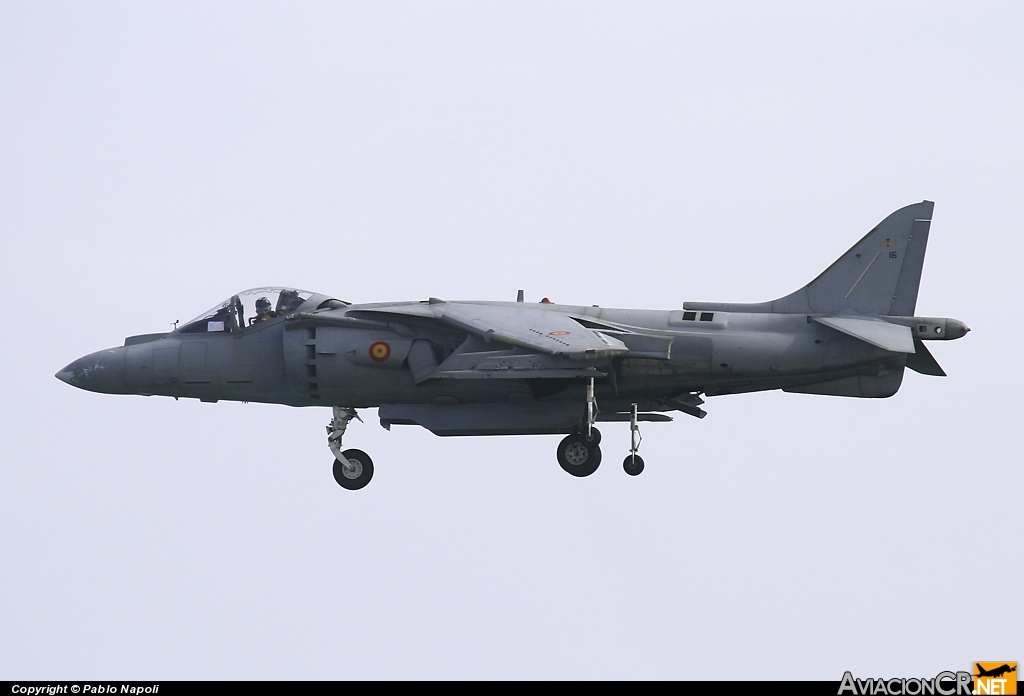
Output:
x=580 y=453
x=579 y=456
x=353 y=468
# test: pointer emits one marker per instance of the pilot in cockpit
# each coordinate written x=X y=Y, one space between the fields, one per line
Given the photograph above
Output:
x=263 y=311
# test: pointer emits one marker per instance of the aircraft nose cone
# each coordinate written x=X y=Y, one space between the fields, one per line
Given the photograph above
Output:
x=956 y=328
x=102 y=371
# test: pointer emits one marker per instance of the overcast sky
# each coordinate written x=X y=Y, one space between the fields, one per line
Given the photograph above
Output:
x=156 y=158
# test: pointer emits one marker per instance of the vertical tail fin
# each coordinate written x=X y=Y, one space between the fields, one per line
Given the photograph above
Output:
x=878 y=276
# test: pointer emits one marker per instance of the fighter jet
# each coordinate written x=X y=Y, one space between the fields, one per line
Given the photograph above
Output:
x=518 y=368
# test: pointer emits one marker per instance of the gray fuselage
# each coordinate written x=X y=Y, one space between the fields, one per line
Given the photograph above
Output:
x=280 y=361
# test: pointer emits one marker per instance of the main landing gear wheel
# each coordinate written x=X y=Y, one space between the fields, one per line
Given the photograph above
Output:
x=595 y=437
x=355 y=472
x=633 y=464
x=577 y=456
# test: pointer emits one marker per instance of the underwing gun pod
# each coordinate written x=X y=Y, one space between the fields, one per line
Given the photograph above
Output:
x=516 y=368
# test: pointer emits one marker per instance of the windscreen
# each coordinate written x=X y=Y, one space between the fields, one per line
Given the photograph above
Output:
x=247 y=309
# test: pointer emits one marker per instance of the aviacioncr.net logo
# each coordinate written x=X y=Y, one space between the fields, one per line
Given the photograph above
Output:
x=943 y=684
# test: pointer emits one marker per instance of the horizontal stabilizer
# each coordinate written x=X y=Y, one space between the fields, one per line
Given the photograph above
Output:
x=923 y=362
x=879 y=333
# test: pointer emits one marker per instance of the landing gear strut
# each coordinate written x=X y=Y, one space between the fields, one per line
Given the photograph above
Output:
x=591 y=411
x=353 y=468
x=634 y=463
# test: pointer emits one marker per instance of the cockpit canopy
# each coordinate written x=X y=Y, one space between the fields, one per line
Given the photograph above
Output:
x=251 y=308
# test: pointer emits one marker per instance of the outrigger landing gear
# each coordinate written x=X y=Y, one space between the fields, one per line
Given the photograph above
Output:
x=634 y=463
x=353 y=468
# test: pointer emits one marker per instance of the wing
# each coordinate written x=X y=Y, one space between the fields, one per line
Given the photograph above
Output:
x=534 y=328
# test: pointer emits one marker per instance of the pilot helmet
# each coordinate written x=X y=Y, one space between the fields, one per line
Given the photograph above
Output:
x=262 y=306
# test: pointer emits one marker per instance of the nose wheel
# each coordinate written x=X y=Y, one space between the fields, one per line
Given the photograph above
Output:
x=354 y=471
x=353 y=468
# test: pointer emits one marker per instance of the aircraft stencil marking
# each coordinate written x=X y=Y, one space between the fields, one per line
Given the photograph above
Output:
x=514 y=368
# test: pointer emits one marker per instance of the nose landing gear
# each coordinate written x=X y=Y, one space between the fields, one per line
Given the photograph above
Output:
x=353 y=468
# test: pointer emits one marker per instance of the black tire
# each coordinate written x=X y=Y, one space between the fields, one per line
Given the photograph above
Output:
x=358 y=474
x=633 y=464
x=577 y=457
x=595 y=437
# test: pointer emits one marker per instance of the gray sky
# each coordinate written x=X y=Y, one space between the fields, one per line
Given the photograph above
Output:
x=154 y=159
